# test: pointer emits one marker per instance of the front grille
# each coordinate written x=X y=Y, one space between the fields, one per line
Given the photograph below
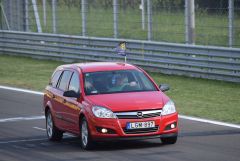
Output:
x=152 y=115
x=138 y=114
x=140 y=131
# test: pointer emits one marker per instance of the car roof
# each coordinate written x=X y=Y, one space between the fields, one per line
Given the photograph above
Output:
x=100 y=66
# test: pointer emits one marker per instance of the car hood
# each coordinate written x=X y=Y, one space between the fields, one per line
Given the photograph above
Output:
x=131 y=101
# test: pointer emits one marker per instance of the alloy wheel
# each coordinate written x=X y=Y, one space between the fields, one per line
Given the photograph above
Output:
x=84 y=133
x=49 y=125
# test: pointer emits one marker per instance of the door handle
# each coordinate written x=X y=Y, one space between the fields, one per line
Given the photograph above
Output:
x=64 y=100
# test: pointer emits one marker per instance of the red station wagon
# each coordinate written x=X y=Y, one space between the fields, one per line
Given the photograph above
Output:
x=108 y=101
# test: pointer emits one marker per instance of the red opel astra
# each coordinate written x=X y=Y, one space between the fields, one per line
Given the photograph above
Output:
x=108 y=101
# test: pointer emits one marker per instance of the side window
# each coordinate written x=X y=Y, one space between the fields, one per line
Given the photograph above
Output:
x=64 y=80
x=55 y=78
x=74 y=83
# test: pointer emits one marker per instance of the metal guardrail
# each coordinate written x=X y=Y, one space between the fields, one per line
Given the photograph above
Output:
x=209 y=62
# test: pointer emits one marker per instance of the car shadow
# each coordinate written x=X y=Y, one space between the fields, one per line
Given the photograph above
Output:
x=73 y=143
x=120 y=145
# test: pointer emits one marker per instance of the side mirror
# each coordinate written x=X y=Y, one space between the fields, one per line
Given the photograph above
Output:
x=164 y=87
x=71 y=93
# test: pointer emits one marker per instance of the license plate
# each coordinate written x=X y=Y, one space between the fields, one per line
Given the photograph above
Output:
x=140 y=125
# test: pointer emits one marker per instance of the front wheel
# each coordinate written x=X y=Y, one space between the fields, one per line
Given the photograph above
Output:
x=53 y=133
x=169 y=140
x=85 y=136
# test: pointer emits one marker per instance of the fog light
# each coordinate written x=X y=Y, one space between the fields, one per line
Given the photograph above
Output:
x=171 y=126
x=104 y=130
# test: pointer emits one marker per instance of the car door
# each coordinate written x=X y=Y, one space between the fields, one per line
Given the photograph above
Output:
x=60 y=99
x=72 y=105
x=52 y=92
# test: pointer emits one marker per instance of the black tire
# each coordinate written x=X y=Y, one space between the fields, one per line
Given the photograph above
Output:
x=85 y=136
x=169 y=140
x=53 y=133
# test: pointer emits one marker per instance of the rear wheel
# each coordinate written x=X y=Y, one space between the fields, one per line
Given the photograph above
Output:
x=53 y=133
x=85 y=135
x=169 y=140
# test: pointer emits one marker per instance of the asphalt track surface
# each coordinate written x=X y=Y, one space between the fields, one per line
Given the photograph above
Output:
x=26 y=140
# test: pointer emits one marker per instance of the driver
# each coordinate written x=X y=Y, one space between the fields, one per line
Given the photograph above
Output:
x=120 y=82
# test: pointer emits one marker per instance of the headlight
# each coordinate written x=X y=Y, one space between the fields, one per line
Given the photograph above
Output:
x=102 y=112
x=168 y=108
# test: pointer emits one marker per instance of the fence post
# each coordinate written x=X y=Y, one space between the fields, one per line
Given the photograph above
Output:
x=26 y=16
x=44 y=13
x=149 y=12
x=9 y=14
x=35 y=9
x=17 y=15
x=143 y=14
x=230 y=23
x=83 y=17
x=115 y=18
x=54 y=28
x=1 y=15
x=186 y=21
x=190 y=21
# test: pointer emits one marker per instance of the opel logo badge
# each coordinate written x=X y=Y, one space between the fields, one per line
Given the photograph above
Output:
x=139 y=114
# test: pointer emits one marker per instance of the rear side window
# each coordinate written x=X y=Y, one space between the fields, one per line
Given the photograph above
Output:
x=64 y=80
x=74 y=83
x=55 y=78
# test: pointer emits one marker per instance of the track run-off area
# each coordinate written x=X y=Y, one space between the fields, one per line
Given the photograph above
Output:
x=23 y=137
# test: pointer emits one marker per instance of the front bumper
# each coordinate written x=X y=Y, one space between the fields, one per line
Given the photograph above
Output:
x=135 y=137
x=118 y=128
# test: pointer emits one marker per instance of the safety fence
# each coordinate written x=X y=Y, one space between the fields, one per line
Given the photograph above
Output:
x=218 y=63
x=201 y=22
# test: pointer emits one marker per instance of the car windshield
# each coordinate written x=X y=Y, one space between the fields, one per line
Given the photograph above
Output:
x=117 y=81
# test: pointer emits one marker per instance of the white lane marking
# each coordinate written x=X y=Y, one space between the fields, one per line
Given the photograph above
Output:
x=180 y=116
x=21 y=90
x=42 y=129
x=24 y=140
x=20 y=147
x=69 y=135
x=209 y=121
x=31 y=140
x=16 y=119
x=39 y=128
